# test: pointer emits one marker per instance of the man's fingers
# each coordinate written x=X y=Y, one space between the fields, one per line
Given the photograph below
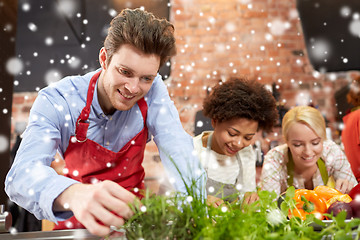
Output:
x=98 y=220
x=107 y=218
x=98 y=206
x=119 y=207
x=119 y=192
x=95 y=227
x=116 y=199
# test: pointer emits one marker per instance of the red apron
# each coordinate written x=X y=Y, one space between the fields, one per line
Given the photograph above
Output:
x=89 y=162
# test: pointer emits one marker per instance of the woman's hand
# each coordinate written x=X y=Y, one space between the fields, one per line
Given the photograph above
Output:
x=250 y=197
x=214 y=201
x=343 y=185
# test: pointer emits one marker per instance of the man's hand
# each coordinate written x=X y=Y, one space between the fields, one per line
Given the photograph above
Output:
x=96 y=202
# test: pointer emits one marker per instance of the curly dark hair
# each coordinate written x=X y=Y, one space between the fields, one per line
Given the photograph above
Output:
x=242 y=98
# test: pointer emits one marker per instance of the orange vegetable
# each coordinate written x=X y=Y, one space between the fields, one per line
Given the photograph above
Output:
x=308 y=202
x=301 y=213
x=339 y=198
x=326 y=192
x=297 y=212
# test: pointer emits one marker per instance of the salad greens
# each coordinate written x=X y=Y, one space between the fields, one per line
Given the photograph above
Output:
x=189 y=217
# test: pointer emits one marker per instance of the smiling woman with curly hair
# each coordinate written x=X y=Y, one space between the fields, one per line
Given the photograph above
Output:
x=238 y=108
x=241 y=98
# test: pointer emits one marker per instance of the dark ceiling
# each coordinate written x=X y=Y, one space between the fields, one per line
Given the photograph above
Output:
x=53 y=39
x=332 y=33
x=56 y=38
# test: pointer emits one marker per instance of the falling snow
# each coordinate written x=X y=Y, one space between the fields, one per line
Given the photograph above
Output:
x=68 y=224
x=54 y=65
x=278 y=27
x=32 y=27
x=14 y=66
x=4 y=143
x=52 y=76
x=67 y=7
x=354 y=28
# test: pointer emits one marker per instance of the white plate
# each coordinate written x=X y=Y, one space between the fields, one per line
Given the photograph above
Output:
x=318 y=227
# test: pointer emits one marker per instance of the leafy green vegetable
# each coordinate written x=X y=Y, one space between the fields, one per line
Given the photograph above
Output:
x=187 y=216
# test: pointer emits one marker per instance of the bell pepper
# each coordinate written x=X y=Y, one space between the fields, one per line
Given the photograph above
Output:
x=308 y=202
x=338 y=198
x=326 y=192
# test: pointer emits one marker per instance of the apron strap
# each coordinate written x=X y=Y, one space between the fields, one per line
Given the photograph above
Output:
x=90 y=94
x=143 y=108
x=323 y=171
x=320 y=163
x=81 y=123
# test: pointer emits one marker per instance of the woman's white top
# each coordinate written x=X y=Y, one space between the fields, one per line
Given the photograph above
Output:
x=225 y=169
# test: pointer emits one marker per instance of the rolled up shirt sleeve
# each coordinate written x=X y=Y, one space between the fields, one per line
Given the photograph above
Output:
x=31 y=182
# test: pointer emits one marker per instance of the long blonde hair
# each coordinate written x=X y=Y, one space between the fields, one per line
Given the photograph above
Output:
x=305 y=115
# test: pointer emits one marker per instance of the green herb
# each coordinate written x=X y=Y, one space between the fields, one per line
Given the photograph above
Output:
x=187 y=216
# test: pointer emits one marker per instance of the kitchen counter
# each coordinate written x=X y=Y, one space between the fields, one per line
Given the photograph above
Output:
x=75 y=234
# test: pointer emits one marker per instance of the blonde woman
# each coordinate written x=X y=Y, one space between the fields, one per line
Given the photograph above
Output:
x=307 y=159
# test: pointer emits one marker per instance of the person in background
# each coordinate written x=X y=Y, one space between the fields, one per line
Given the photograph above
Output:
x=238 y=109
x=307 y=159
x=350 y=135
x=100 y=123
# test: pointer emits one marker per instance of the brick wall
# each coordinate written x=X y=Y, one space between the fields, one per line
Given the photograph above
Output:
x=216 y=39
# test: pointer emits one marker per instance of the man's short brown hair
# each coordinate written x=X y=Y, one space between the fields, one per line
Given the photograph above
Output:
x=142 y=30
